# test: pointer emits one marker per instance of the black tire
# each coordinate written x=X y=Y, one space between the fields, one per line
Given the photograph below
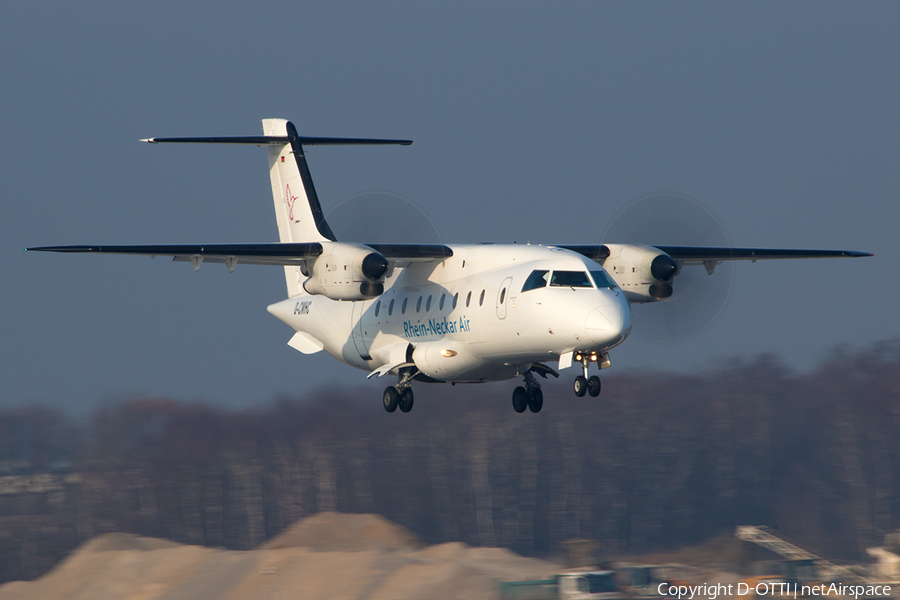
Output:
x=535 y=400
x=593 y=386
x=391 y=398
x=580 y=386
x=520 y=399
x=406 y=400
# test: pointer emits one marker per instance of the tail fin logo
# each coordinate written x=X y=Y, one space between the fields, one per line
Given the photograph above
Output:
x=289 y=199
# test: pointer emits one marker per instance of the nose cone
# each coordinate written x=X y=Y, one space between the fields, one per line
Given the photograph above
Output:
x=609 y=324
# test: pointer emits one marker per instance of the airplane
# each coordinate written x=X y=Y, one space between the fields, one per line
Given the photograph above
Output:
x=436 y=313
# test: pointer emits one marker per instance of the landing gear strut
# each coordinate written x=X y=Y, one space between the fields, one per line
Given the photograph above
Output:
x=402 y=395
x=530 y=396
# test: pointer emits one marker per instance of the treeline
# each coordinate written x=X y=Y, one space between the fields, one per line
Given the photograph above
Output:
x=659 y=461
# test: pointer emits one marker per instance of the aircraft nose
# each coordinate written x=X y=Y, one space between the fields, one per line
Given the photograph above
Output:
x=608 y=324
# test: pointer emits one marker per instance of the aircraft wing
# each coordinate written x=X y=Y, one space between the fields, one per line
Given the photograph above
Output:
x=698 y=255
x=255 y=254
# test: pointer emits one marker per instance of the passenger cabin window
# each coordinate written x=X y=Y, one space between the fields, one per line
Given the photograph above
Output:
x=468 y=299
x=377 y=307
x=391 y=307
x=428 y=304
x=574 y=279
x=481 y=298
x=441 y=305
x=403 y=308
x=536 y=280
x=419 y=304
x=455 y=299
x=502 y=298
x=603 y=280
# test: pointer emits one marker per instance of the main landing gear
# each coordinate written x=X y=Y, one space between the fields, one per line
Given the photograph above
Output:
x=530 y=396
x=400 y=396
x=589 y=385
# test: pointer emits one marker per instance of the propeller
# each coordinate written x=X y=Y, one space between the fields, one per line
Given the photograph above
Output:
x=380 y=217
x=698 y=298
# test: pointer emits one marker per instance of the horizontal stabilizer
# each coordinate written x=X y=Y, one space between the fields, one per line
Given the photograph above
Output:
x=266 y=140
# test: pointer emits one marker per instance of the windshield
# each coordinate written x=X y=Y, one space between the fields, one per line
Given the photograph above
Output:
x=575 y=279
x=602 y=279
x=537 y=279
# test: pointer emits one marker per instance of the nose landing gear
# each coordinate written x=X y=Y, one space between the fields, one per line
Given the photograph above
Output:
x=580 y=386
x=589 y=385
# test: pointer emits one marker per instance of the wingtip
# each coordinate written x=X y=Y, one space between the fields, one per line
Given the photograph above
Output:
x=149 y=140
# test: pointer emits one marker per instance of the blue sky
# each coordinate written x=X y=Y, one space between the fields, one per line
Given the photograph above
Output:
x=532 y=122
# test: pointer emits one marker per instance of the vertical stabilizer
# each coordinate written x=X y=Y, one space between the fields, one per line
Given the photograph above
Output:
x=297 y=208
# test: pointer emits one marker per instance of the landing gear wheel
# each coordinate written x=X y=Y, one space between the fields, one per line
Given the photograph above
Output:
x=593 y=386
x=580 y=386
x=406 y=400
x=535 y=400
x=391 y=398
x=520 y=399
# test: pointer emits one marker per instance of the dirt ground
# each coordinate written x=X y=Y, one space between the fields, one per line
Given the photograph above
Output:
x=326 y=556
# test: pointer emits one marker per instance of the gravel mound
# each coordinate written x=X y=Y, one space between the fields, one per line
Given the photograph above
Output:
x=326 y=556
x=332 y=531
x=116 y=542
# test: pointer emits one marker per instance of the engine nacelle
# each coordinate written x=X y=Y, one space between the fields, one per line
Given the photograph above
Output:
x=346 y=272
x=644 y=273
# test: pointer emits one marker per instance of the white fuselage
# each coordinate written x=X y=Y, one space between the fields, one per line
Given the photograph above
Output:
x=467 y=318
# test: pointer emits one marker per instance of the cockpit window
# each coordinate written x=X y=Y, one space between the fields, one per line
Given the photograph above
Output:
x=603 y=280
x=537 y=279
x=575 y=279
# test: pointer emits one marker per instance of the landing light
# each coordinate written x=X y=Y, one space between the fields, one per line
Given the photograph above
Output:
x=578 y=357
x=593 y=357
x=448 y=353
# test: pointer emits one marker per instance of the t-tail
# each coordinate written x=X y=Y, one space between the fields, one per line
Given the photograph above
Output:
x=297 y=209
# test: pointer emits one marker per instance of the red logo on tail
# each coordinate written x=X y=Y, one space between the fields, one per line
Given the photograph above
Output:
x=289 y=199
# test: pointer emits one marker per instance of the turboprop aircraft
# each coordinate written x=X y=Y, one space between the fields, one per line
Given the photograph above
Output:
x=445 y=313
